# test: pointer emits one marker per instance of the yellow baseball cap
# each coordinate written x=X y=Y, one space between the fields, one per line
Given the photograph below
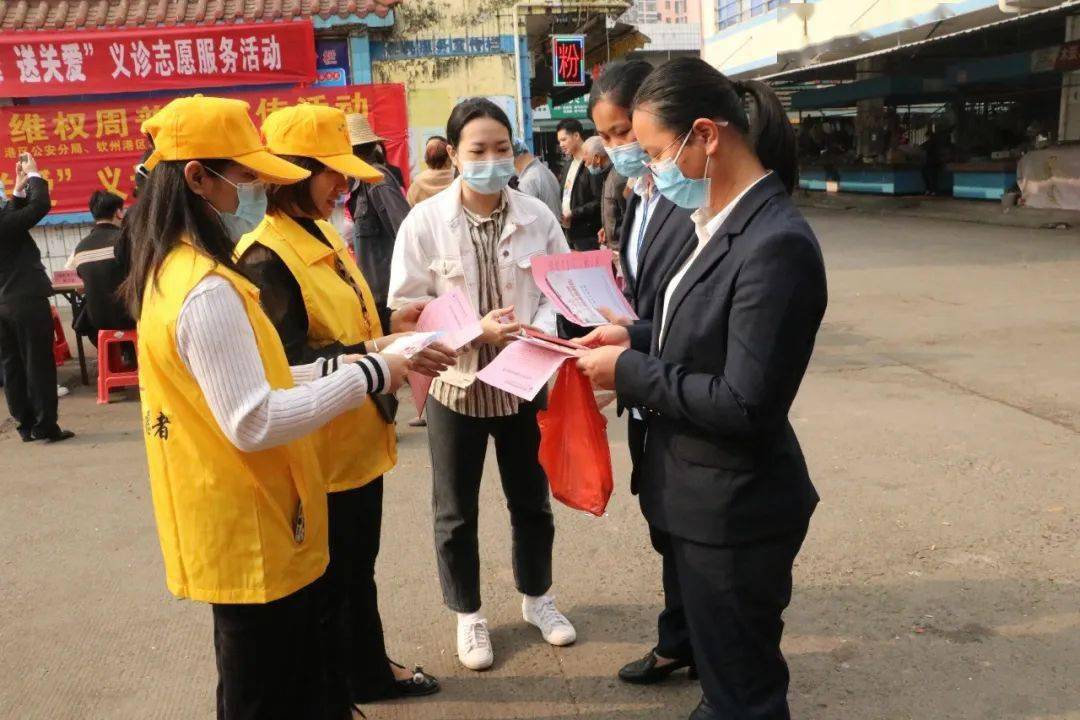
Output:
x=212 y=128
x=319 y=132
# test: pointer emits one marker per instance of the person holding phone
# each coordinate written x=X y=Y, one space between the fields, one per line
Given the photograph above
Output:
x=26 y=325
x=322 y=306
x=715 y=373
x=238 y=492
x=479 y=237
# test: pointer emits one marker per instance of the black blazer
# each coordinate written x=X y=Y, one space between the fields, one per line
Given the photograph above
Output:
x=21 y=272
x=585 y=198
x=722 y=465
x=667 y=233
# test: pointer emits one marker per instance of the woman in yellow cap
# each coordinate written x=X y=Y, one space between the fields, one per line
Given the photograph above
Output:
x=322 y=306
x=238 y=494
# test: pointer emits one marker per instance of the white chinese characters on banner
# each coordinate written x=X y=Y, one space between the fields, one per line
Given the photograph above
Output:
x=27 y=64
x=140 y=58
x=190 y=57
x=163 y=62
x=117 y=52
x=72 y=55
x=185 y=58
x=204 y=48
x=44 y=64
x=227 y=56
x=249 y=51
x=50 y=64
x=271 y=53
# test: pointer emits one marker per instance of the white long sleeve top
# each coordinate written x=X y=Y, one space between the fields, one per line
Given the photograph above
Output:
x=216 y=342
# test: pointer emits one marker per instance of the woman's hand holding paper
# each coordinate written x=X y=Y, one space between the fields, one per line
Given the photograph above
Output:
x=606 y=335
x=599 y=365
x=404 y=319
x=498 y=326
x=433 y=359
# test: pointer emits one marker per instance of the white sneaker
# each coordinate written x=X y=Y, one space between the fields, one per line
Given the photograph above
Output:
x=61 y=391
x=474 y=645
x=553 y=625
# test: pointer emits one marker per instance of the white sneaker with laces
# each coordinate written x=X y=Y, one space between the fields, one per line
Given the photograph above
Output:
x=553 y=625
x=474 y=645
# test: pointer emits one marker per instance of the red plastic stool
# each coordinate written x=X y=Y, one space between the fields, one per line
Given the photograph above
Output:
x=61 y=351
x=110 y=374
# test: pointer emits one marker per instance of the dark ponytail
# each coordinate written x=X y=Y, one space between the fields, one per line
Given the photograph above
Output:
x=618 y=83
x=685 y=89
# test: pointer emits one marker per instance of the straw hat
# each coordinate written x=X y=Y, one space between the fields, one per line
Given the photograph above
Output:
x=316 y=131
x=360 y=131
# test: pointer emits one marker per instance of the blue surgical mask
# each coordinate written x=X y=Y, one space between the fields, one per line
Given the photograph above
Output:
x=250 y=208
x=488 y=177
x=688 y=193
x=629 y=160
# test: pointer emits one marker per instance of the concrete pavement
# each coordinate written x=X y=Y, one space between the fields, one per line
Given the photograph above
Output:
x=939 y=580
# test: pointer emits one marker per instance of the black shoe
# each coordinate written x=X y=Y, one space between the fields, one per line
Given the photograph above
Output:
x=704 y=711
x=419 y=685
x=27 y=437
x=58 y=436
x=646 y=672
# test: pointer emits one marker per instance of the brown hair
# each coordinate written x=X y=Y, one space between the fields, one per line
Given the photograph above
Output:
x=288 y=199
x=435 y=154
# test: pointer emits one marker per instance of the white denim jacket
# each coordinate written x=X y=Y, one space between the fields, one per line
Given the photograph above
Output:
x=433 y=255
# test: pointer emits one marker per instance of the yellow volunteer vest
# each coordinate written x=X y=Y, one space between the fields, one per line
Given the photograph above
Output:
x=358 y=446
x=234 y=527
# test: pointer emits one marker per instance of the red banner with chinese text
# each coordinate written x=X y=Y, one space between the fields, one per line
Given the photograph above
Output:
x=110 y=61
x=85 y=147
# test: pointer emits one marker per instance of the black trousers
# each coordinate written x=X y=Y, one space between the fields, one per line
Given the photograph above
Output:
x=270 y=659
x=357 y=666
x=673 y=635
x=26 y=353
x=458 y=445
x=672 y=631
x=734 y=598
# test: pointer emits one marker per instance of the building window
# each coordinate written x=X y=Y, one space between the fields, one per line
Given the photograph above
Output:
x=733 y=12
x=757 y=7
x=729 y=12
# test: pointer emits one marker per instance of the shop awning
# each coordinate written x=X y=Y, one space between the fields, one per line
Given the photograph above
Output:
x=809 y=70
x=52 y=15
x=897 y=88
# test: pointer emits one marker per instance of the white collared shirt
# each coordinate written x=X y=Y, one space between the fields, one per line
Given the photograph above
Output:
x=643 y=213
x=568 y=185
x=705 y=227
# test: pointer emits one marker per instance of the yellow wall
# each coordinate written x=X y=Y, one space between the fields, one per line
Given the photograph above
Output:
x=757 y=41
x=434 y=85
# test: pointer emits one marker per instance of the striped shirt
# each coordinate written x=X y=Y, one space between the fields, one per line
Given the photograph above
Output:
x=480 y=399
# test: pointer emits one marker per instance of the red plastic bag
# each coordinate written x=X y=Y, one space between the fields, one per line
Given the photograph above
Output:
x=573 y=444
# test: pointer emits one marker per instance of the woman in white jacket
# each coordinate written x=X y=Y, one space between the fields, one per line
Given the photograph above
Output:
x=478 y=236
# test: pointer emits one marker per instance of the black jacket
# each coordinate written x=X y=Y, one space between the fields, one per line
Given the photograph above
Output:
x=21 y=272
x=101 y=273
x=585 y=197
x=667 y=233
x=377 y=210
x=722 y=465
